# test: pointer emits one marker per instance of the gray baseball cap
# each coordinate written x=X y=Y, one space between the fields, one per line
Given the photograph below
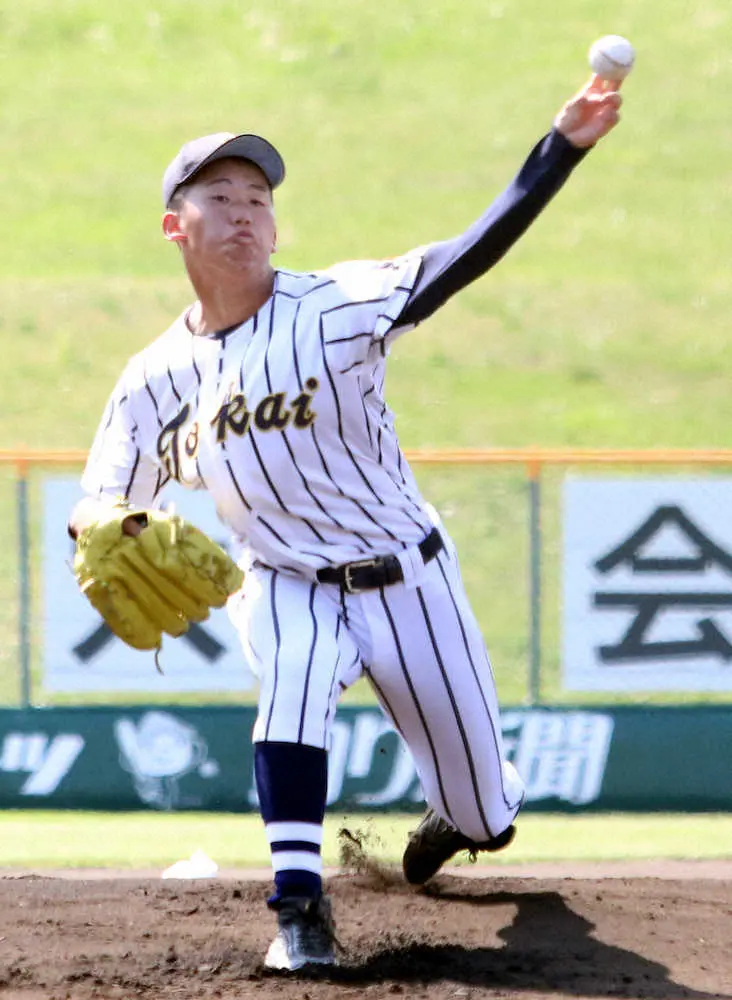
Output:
x=198 y=153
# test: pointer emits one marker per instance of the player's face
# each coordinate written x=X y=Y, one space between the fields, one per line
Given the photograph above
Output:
x=226 y=217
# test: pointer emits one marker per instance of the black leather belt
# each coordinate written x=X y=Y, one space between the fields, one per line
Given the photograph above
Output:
x=370 y=574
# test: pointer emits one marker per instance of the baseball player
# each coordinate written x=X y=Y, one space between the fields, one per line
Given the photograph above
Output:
x=268 y=392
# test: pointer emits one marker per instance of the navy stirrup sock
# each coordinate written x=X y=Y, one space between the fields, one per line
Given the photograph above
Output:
x=292 y=781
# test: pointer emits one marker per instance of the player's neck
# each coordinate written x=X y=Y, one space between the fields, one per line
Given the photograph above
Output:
x=223 y=305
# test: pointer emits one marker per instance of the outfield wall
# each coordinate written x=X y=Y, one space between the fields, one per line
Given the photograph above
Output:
x=578 y=759
x=615 y=582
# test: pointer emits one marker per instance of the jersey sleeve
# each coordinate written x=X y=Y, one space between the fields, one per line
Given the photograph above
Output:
x=118 y=466
x=370 y=296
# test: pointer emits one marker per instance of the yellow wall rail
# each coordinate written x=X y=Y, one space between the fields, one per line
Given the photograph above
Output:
x=24 y=458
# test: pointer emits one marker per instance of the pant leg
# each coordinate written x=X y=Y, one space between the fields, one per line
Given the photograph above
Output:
x=297 y=644
x=431 y=671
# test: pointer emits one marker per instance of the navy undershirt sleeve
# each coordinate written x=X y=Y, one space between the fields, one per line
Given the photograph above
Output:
x=452 y=264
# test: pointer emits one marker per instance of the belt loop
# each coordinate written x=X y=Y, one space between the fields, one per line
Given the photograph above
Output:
x=412 y=563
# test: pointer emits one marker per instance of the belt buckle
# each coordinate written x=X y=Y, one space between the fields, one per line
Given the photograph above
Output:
x=349 y=568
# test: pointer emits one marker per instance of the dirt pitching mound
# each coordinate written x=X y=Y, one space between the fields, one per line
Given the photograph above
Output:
x=462 y=937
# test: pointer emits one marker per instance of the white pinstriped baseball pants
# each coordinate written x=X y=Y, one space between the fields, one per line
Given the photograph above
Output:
x=420 y=646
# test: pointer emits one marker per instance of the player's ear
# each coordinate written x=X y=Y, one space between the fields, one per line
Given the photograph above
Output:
x=172 y=229
x=274 y=242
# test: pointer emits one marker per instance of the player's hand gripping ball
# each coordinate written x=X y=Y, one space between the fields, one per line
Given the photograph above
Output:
x=160 y=580
x=611 y=57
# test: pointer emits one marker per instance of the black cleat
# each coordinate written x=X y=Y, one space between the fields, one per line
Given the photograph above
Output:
x=305 y=935
x=434 y=842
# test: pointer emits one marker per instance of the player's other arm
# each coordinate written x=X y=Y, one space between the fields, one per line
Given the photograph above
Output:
x=118 y=469
x=451 y=265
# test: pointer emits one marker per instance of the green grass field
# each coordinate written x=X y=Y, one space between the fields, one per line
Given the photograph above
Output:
x=606 y=326
x=155 y=840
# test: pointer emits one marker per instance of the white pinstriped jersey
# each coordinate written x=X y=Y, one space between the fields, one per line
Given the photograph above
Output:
x=282 y=420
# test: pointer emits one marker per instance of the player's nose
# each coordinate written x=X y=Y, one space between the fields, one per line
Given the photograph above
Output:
x=240 y=213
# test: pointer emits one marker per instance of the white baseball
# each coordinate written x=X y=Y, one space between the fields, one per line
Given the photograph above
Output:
x=611 y=57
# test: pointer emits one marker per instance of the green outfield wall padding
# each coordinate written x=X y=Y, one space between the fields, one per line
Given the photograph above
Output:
x=572 y=759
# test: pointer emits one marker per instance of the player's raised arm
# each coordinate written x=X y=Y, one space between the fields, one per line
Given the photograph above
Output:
x=451 y=265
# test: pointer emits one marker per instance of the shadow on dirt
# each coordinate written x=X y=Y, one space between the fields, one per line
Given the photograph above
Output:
x=548 y=948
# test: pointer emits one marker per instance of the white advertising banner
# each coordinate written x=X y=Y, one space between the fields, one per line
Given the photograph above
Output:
x=81 y=654
x=647 y=584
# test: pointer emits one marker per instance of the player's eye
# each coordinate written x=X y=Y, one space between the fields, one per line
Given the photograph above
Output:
x=223 y=199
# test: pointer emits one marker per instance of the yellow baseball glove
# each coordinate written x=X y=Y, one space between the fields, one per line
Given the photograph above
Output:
x=160 y=580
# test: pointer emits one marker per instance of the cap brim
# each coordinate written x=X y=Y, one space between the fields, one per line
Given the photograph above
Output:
x=253 y=148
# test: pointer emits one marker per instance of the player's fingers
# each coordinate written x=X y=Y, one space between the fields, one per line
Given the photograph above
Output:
x=584 y=92
x=596 y=90
x=131 y=526
x=596 y=84
x=610 y=100
x=608 y=120
x=597 y=103
x=612 y=86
